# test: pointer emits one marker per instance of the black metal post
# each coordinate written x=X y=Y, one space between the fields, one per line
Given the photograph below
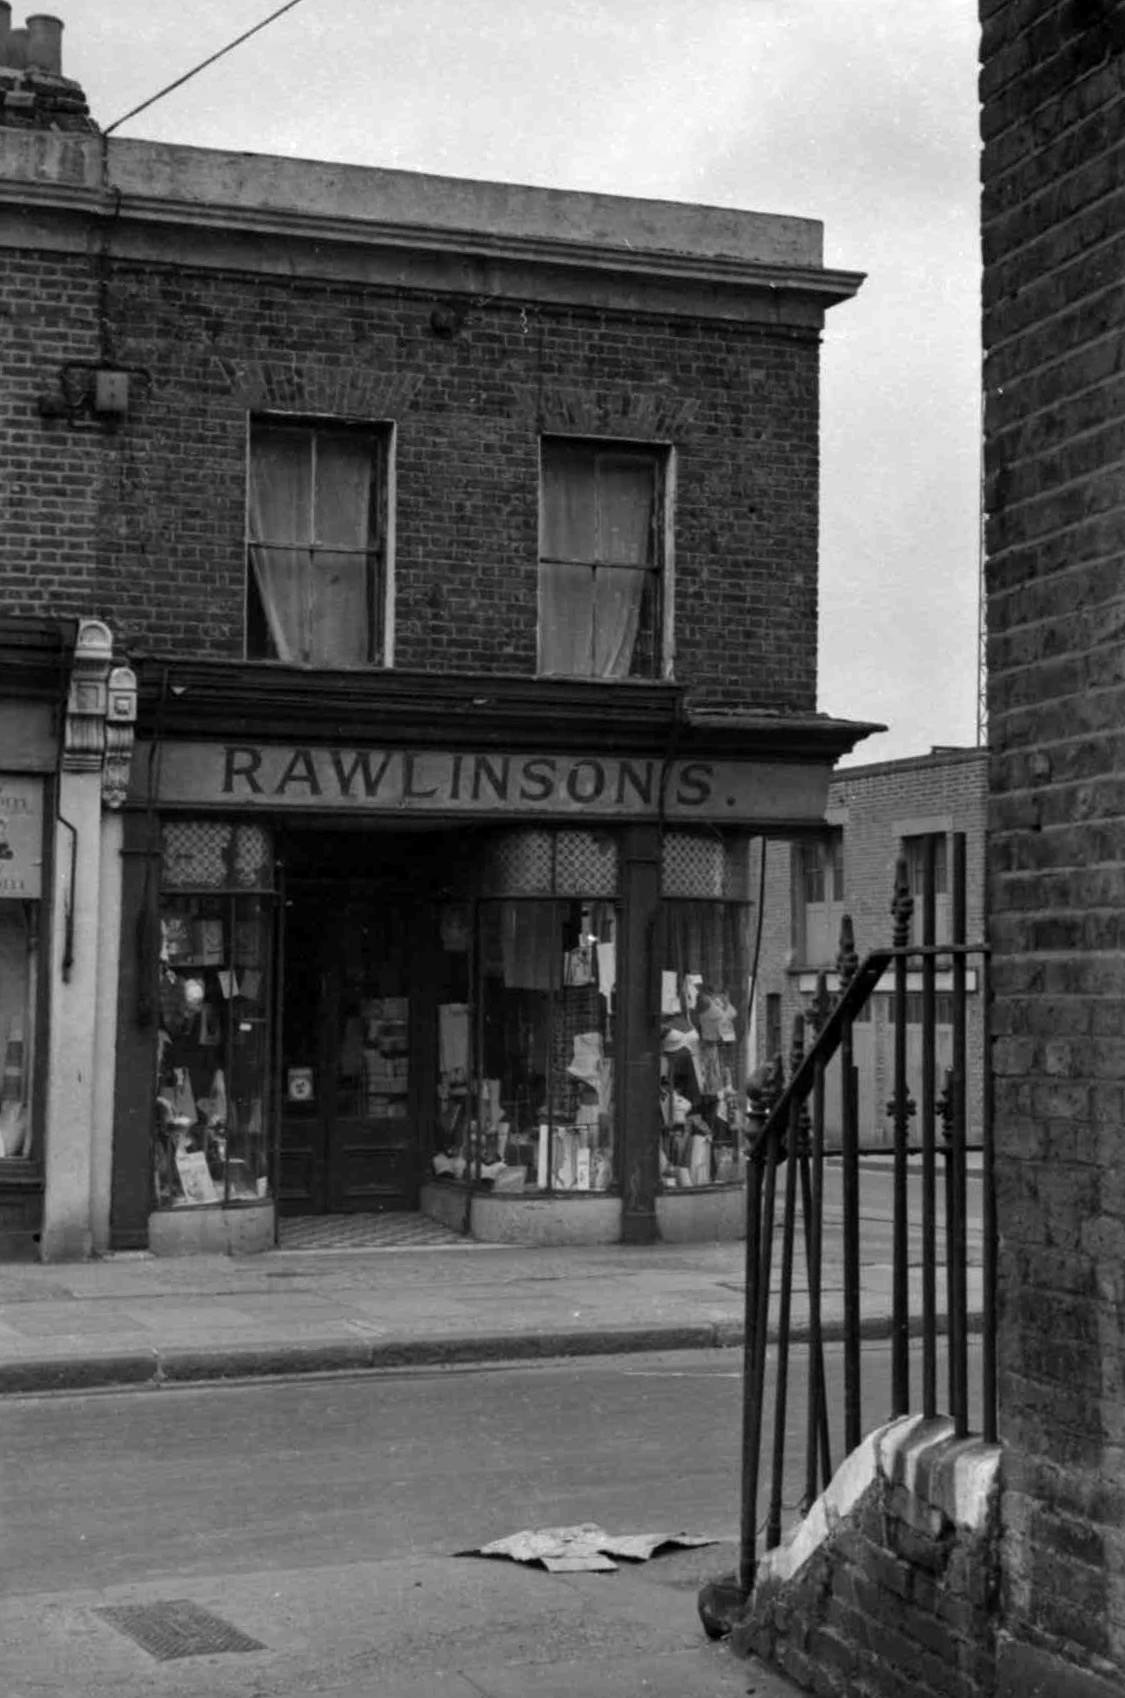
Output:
x=989 y=1425
x=781 y=1379
x=929 y=1211
x=751 y=1406
x=959 y=1318
x=813 y=1197
x=901 y=908
x=850 y=1152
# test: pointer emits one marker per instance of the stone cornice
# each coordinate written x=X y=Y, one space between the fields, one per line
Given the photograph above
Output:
x=225 y=698
x=176 y=205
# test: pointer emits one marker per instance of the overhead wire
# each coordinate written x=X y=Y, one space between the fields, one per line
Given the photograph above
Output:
x=202 y=66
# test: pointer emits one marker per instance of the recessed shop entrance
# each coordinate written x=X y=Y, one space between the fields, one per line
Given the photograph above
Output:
x=358 y=1021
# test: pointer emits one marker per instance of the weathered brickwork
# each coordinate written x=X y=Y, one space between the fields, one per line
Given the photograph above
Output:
x=1053 y=92
x=898 y=1601
x=51 y=485
x=945 y=791
x=154 y=542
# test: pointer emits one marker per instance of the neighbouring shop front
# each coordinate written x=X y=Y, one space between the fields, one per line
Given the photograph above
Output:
x=507 y=988
x=34 y=668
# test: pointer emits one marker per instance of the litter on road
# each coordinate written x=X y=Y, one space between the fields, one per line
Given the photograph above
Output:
x=587 y=1548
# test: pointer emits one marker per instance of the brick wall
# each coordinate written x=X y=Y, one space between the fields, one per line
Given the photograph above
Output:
x=50 y=490
x=154 y=542
x=1053 y=122
x=870 y=804
x=889 y=1590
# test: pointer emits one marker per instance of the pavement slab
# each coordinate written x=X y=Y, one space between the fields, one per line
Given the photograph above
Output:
x=136 y=1318
x=444 y=1627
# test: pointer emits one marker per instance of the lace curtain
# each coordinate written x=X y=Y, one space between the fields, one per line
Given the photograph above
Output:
x=308 y=520
x=596 y=553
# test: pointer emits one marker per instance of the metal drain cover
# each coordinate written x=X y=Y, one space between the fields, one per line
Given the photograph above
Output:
x=175 y=1627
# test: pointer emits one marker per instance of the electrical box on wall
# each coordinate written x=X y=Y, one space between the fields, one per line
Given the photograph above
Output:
x=111 y=393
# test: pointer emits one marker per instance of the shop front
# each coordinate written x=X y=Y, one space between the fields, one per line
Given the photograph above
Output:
x=507 y=988
x=34 y=666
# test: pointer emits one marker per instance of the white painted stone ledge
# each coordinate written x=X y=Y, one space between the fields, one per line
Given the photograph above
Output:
x=959 y=1477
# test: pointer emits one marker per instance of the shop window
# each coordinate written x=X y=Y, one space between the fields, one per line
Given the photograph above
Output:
x=212 y=1119
x=18 y=926
x=316 y=535
x=705 y=955
x=601 y=559
x=914 y=849
x=526 y=1060
x=21 y=848
x=818 y=899
x=541 y=1117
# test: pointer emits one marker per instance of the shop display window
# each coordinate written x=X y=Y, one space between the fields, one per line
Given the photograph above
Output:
x=211 y=1128
x=18 y=957
x=703 y=990
x=538 y=1114
x=21 y=863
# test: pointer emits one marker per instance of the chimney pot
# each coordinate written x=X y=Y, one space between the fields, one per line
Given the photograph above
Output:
x=44 y=42
x=5 y=29
x=15 y=49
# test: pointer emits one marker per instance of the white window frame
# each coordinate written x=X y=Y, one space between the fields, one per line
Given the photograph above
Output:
x=823 y=916
x=663 y=454
x=384 y=435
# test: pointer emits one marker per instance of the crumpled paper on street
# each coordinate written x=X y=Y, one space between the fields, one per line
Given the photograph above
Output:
x=585 y=1549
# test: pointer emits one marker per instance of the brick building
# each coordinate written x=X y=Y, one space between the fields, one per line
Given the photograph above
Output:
x=1053 y=95
x=415 y=581
x=874 y=814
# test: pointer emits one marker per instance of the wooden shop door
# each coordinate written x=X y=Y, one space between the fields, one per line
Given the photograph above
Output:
x=349 y=1118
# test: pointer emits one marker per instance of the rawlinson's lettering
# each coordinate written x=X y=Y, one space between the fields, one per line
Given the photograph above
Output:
x=496 y=775
x=695 y=783
x=538 y=779
x=242 y=762
x=361 y=763
x=641 y=782
x=408 y=790
x=589 y=788
x=299 y=770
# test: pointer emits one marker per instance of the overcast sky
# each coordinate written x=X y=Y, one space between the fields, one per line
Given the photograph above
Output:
x=861 y=113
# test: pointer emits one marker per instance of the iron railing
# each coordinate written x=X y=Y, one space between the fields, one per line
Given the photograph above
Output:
x=788 y=1149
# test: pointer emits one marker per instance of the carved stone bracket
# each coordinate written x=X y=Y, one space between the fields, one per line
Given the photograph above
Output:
x=84 y=743
x=120 y=721
x=101 y=710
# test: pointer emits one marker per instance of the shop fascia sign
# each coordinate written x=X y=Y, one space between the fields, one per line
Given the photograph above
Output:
x=375 y=780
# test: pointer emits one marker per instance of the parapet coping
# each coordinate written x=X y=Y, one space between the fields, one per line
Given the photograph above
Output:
x=924 y=1457
x=159 y=186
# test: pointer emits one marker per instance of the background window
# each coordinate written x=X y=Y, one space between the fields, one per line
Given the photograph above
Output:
x=914 y=848
x=315 y=530
x=818 y=899
x=600 y=560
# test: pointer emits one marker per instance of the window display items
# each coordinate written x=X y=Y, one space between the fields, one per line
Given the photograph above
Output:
x=18 y=955
x=702 y=1064
x=526 y=1084
x=209 y=1134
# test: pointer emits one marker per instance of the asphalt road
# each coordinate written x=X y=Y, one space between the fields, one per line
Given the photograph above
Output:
x=301 y=1472
x=324 y=1518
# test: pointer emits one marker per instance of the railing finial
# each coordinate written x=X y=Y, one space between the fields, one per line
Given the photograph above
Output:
x=847 y=961
x=821 y=1005
x=902 y=905
x=797 y=1046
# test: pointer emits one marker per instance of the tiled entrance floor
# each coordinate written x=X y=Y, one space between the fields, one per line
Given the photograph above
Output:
x=367 y=1232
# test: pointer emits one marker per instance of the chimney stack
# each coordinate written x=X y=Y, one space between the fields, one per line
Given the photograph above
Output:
x=44 y=43
x=34 y=94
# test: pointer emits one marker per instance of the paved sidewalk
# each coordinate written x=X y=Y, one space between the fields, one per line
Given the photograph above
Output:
x=141 y=1320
